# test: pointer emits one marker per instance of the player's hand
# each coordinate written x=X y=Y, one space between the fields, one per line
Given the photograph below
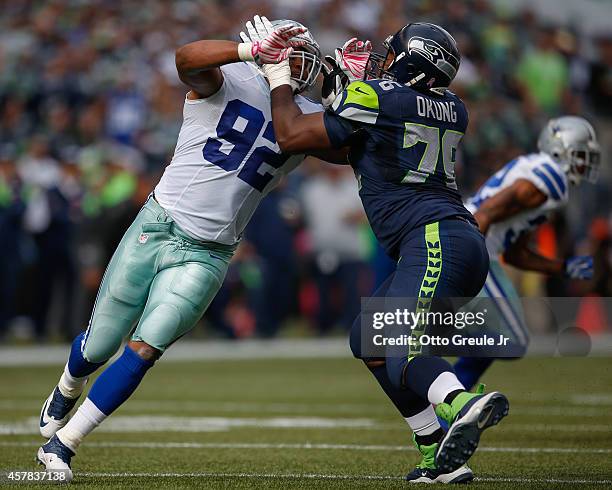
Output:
x=352 y=57
x=579 y=267
x=266 y=44
x=334 y=81
x=347 y=66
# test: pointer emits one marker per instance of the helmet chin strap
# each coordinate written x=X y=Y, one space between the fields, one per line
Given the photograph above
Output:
x=416 y=79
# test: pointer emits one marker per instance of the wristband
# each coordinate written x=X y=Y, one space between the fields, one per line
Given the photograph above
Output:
x=277 y=75
x=245 y=52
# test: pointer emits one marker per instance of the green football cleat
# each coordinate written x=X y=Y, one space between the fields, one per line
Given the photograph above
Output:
x=469 y=415
x=427 y=471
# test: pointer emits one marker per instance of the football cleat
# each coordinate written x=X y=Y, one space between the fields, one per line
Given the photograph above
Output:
x=55 y=456
x=55 y=413
x=469 y=415
x=463 y=474
x=427 y=472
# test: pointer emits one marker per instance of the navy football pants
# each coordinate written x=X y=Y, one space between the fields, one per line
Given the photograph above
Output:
x=445 y=259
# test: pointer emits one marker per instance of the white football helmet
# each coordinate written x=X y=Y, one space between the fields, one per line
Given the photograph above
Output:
x=307 y=58
x=571 y=141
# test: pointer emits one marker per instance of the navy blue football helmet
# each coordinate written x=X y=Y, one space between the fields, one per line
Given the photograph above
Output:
x=421 y=55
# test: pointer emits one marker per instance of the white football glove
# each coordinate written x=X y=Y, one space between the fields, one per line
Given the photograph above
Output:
x=264 y=44
x=347 y=66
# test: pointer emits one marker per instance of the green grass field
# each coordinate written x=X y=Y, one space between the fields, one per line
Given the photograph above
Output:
x=318 y=423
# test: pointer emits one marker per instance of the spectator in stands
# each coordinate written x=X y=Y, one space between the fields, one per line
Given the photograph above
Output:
x=12 y=208
x=543 y=74
x=335 y=218
x=272 y=232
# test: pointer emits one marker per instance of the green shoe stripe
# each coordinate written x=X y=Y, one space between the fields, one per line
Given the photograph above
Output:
x=428 y=284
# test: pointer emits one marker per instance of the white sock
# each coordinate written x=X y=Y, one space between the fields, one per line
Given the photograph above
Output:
x=70 y=386
x=444 y=384
x=425 y=422
x=86 y=419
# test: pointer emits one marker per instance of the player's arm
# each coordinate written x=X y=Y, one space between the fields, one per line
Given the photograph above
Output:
x=338 y=156
x=519 y=197
x=300 y=133
x=296 y=132
x=351 y=115
x=522 y=256
x=198 y=65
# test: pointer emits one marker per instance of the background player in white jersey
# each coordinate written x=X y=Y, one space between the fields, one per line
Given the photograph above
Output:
x=173 y=258
x=511 y=204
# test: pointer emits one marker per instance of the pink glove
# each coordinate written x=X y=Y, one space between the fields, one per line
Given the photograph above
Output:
x=352 y=57
x=266 y=45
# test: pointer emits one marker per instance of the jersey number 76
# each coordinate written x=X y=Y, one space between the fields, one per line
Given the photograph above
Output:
x=436 y=149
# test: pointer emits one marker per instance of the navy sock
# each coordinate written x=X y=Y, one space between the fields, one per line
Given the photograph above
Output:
x=470 y=369
x=406 y=401
x=421 y=372
x=118 y=381
x=430 y=439
x=78 y=366
x=452 y=395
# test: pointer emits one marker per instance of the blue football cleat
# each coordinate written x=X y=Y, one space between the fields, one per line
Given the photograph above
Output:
x=55 y=413
x=55 y=456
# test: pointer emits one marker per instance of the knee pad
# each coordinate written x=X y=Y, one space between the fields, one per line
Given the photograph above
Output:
x=160 y=327
x=102 y=344
x=103 y=341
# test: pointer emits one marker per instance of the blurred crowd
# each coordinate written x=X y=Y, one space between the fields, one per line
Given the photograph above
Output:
x=90 y=107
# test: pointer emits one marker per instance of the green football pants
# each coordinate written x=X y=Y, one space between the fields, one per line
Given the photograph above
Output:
x=157 y=285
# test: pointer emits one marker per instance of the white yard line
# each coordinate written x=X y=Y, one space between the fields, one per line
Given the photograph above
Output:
x=169 y=423
x=323 y=476
x=203 y=406
x=316 y=446
x=251 y=349
x=198 y=350
x=146 y=406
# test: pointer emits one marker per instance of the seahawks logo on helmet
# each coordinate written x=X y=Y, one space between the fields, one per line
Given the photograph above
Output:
x=434 y=53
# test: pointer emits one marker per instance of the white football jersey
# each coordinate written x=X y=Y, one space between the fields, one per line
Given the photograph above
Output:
x=540 y=170
x=226 y=158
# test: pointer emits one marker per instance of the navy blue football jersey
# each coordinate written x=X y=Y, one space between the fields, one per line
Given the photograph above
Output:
x=403 y=148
